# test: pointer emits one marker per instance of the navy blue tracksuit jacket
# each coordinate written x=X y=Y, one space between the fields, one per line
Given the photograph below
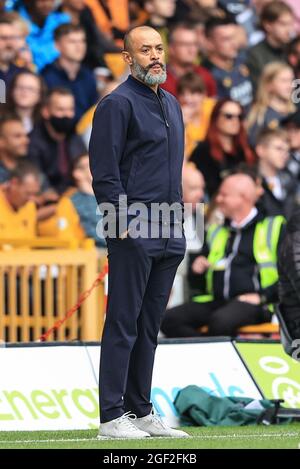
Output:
x=136 y=149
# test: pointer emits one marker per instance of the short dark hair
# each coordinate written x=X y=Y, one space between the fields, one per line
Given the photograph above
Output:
x=23 y=169
x=58 y=90
x=8 y=117
x=5 y=18
x=217 y=21
x=192 y=82
x=65 y=29
x=273 y=10
x=266 y=135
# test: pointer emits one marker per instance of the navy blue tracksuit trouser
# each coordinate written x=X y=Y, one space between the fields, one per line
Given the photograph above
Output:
x=141 y=274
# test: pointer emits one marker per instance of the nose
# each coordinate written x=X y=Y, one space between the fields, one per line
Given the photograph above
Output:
x=154 y=54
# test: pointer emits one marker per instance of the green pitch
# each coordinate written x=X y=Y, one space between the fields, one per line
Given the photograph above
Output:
x=270 y=437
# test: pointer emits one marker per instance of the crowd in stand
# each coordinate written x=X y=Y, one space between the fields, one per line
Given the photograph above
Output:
x=232 y=64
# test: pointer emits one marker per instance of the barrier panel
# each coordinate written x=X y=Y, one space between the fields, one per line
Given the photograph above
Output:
x=38 y=287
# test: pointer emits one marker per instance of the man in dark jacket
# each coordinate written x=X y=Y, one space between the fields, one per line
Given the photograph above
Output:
x=277 y=20
x=239 y=263
x=54 y=143
x=289 y=276
x=136 y=151
x=68 y=70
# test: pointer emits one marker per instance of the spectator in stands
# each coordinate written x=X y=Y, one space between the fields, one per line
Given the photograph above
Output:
x=278 y=22
x=249 y=20
x=225 y=62
x=159 y=13
x=42 y=20
x=76 y=213
x=23 y=53
x=225 y=144
x=17 y=206
x=193 y=193
x=273 y=99
x=194 y=10
x=69 y=72
x=293 y=55
x=279 y=185
x=289 y=276
x=13 y=145
x=238 y=286
x=196 y=109
x=8 y=50
x=97 y=43
x=53 y=142
x=25 y=97
x=183 y=54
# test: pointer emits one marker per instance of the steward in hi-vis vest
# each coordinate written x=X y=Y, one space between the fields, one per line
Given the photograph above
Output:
x=236 y=269
x=264 y=248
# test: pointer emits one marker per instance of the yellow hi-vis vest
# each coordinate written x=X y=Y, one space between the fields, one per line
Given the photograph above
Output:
x=265 y=244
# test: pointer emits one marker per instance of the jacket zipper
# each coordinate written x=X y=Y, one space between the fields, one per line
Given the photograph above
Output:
x=167 y=126
x=230 y=258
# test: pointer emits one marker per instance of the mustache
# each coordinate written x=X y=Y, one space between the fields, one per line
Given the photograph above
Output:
x=154 y=64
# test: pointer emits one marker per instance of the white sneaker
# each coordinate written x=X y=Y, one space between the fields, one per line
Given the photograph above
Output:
x=154 y=425
x=121 y=427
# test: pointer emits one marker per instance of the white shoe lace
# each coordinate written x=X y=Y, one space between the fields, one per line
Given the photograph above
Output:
x=126 y=421
x=157 y=420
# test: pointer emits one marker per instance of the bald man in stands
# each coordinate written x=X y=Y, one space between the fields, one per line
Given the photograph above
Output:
x=237 y=268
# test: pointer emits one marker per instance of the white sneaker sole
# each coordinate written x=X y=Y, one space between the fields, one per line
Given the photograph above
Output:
x=100 y=437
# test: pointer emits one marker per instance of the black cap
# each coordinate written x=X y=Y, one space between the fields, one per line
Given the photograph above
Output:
x=293 y=118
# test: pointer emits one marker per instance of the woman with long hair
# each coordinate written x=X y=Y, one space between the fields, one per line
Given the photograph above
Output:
x=25 y=97
x=273 y=100
x=225 y=146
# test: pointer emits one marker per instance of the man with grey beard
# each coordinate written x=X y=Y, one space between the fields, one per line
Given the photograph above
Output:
x=136 y=155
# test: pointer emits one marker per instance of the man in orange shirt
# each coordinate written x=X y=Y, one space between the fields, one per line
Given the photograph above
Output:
x=18 y=214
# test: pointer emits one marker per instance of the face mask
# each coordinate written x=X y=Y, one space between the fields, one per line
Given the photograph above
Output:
x=64 y=125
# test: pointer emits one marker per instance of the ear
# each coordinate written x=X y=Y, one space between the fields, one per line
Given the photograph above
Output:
x=209 y=45
x=56 y=43
x=259 y=150
x=267 y=27
x=127 y=58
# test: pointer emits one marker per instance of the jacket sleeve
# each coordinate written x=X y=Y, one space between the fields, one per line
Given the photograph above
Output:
x=107 y=145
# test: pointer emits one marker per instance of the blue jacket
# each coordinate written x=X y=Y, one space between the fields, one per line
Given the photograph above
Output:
x=40 y=39
x=83 y=86
x=137 y=146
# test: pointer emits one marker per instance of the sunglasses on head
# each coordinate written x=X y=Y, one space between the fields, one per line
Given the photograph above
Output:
x=230 y=116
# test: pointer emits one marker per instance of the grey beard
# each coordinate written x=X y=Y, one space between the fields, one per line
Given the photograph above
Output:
x=146 y=76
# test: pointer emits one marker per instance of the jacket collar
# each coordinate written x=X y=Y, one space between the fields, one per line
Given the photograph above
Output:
x=143 y=89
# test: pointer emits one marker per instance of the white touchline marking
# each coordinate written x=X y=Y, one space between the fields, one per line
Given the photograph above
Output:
x=198 y=437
